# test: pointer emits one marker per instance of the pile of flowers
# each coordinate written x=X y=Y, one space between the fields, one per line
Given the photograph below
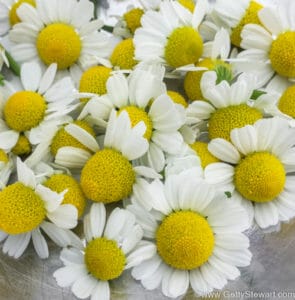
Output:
x=180 y=116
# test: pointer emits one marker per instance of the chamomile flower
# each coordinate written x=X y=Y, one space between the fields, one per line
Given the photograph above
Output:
x=273 y=48
x=257 y=164
x=143 y=97
x=29 y=109
x=61 y=33
x=27 y=208
x=194 y=237
x=111 y=248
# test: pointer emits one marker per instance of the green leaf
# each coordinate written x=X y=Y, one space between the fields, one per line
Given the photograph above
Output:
x=256 y=94
x=228 y=194
x=2 y=78
x=13 y=65
x=223 y=72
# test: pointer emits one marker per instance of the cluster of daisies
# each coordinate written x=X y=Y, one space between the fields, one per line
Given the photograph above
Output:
x=168 y=136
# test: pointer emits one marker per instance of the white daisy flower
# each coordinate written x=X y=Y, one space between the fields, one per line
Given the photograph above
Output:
x=110 y=249
x=143 y=96
x=257 y=165
x=31 y=108
x=62 y=33
x=27 y=208
x=194 y=237
x=270 y=49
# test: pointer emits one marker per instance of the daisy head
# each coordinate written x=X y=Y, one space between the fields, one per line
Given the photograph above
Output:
x=111 y=247
x=194 y=237
x=31 y=107
x=256 y=164
x=27 y=208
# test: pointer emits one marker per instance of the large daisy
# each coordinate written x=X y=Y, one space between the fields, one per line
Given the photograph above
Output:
x=194 y=237
x=111 y=247
x=143 y=96
x=257 y=164
x=30 y=108
x=27 y=208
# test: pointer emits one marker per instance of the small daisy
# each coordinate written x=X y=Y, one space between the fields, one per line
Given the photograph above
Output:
x=257 y=164
x=62 y=33
x=111 y=248
x=30 y=108
x=27 y=208
x=272 y=48
x=194 y=237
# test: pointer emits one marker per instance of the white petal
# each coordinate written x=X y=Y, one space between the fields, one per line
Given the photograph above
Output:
x=146 y=268
x=47 y=78
x=146 y=172
x=117 y=87
x=65 y=216
x=52 y=199
x=71 y=256
x=219 y=173
x=72 y=157
x=8 y=139
x=116 y=222
x=239 y=258
x=58 y=235
x=212 y=276
x=40 y=243
x=101 y=291
x=66 y=276
x=170 y=142
x=25 y=174
x=31 y=76
x=266 y=214
x=97 y=219
x=132 y=239
x=176 y=284
x=15 y=245
x=83 y=287
x=199 y=285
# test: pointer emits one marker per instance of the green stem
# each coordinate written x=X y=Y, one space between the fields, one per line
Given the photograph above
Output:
x=13 y=65
x=108 y=28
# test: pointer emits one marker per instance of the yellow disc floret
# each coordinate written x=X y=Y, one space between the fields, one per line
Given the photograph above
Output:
x=137 y=115
x=260 y=177
x=13 y=17
x=185 y=240
x=177 y=98
x=24 y=110
x=107 y=177
x=287 y=102
x=250 y=17
x=201 y=148
x=104 y=259
x=223 y=120
x=64 y=139
x=123 y=55
x=189 y=4
x=132 y=19
x=282 y=54
x=74 y=195
x=59 y=43
x=184 y=46
x=21 y=209
x=22 y=147
x=3 y=156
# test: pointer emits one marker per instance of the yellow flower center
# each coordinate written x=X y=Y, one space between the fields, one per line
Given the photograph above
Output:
x=282 y=54
x=64 y=139
x=223 y=120
x=74 y=195
x=189 y=4
x=250 y=17
x=59 y=43
x=177 y=98
x=137 y=115
x=132 y=19
x=287 y=102
x=107 y=177
x=24 y=110
x=13 y=17
x=21 y=209
x=205 y=156
x=185 y=240
x=184 y=46
x=22 y=147
x=104 y=259
x=123 y=55
x=260 y=177
x=94 y=81
x=3 y=156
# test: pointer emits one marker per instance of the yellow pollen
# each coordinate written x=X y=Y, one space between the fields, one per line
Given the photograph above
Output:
x=184 y=46
x=260 y=177
x=94 y=81
x=3 y=156
x=132 y=19
x=13 y=17
x=189 y=4
x=223 y=120
x=22 y=147
x=64 y=139
x=185 y=240
x=282 y=54
x=205 y=156
x=123 y=55
x=136 y=115
x=250 y=17
x=177 y=98
x=24 y=110
x=74 y=195
x=104 y=259
x=21 y=209
x=107 y=177
x=287 y=102
x=59 y=43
